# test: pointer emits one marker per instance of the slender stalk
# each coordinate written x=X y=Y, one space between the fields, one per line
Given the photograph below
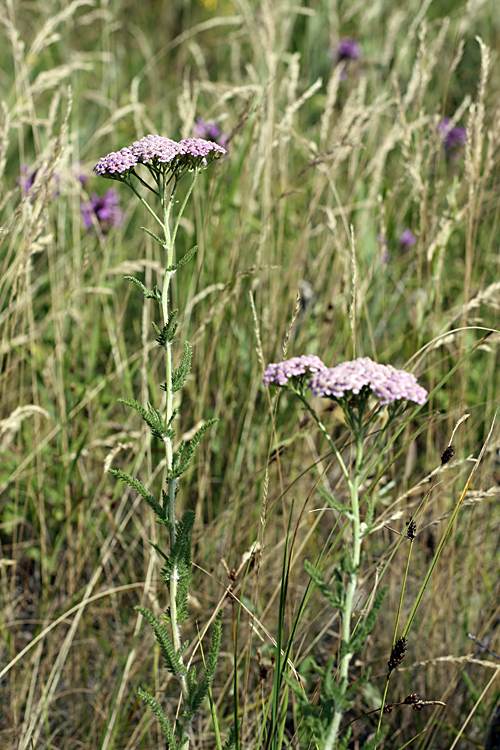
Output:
x=171 y=482
x=348 y=608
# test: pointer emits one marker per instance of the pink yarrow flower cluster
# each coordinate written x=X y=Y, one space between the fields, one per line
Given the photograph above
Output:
x=282 y=372
x=348 y=378
x=385 y=382
x=156 y=150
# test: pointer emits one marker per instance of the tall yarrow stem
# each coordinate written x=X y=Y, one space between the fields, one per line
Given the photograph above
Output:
x=362 y=388
x=167 y=162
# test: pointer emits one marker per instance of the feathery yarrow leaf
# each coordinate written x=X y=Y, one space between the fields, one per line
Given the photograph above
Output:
x=196 y=699
x=154 y=236
x=172 y=658
x=365 y=627
x=179 y=564
x=231 y=740
x=335 y=504
x=180 y=373
x=167 y=334
x=147 y=294
x=182 y=262
x=162 y=718
x=183 y=456
x=139 y=487
x=151 y=416
x=334 y=599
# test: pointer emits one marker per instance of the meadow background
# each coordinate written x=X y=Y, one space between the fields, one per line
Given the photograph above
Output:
x=316 y=146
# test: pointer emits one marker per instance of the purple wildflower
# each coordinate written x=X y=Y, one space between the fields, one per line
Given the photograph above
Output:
x=385 y=382
x=26 y=179
x=211 y=132
x=105 y=208
x=453 y=138
x=348 y=49
x=407 y=239
x=282 y=372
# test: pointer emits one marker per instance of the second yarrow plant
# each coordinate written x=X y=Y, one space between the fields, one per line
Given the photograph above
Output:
x=155 y=165
x=372 y=397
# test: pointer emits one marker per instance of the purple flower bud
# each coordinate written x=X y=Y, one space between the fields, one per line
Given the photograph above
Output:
x=210 y=131
x=407 y=239
x=282 y=372
x=350 y=378
x=26 y=179
x=453 y=138
x=348 y=49
x=104 y=208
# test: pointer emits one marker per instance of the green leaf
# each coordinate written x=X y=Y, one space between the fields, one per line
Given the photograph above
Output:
x=181 y=372
x=182 y=262
x=172 y=658
x=164 y=722
x=231 y=740
x=183 y=456
x=167 y=334
x=335 y=600
x=179 y=561
x=155 y=294
x=335 y=504
x=152 y=417
x=139 y=487
x=196 y=699
x=154 y=236
x=364 y=629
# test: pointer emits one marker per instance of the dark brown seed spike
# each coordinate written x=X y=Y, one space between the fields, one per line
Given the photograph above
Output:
x=447 y=455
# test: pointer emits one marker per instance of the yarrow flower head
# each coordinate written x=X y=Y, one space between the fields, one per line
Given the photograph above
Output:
x=384 y=381
x=156 y=151
x=105 y=208
x=296 y=367
x=116 y=163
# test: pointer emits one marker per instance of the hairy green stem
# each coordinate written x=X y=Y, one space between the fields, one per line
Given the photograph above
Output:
x=172 y=483
x=348 y=607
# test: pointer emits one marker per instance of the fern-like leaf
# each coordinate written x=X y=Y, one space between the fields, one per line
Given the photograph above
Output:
x=183 y=456
x=172 y=658
x=179 y=563
x=182 y=262
x=139 y=487
x=364 y=629
x=335 y=504
x=231 y=740
x=147 y=294
x=334 y=599
x=165 y=724
x=181 y=372
x=213 y=656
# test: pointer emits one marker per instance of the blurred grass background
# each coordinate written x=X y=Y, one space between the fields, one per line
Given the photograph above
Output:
x=312 y=152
